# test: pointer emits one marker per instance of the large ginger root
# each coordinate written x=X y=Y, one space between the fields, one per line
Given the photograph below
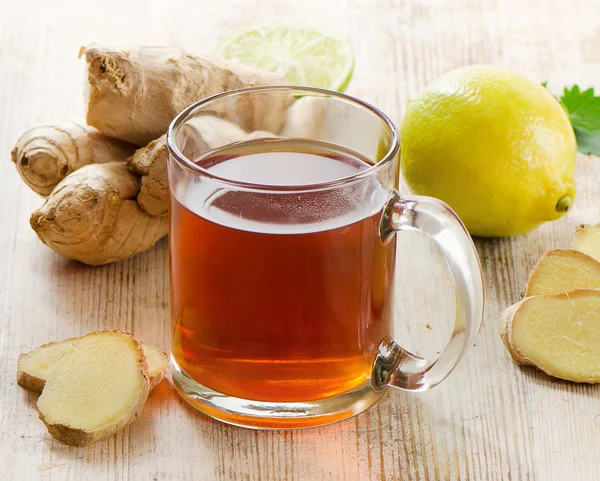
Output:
x=133 y=94
x=95 y=389
x=46 y=154
x=33 y=367
x=561 y=270
x=587 y=240
x=559 y=334
x=93 y=216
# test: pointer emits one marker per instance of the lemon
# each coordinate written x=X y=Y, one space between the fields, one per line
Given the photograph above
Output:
x=495 y=146
x=304 y=56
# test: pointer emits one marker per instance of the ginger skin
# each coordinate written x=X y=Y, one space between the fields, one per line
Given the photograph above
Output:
x=93 y=216
x=172 y=80
x=46 y=154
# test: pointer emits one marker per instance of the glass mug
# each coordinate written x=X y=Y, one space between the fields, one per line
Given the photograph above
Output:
x=282 y=250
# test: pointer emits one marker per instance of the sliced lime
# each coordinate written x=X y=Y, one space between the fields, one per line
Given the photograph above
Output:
x=305 y=57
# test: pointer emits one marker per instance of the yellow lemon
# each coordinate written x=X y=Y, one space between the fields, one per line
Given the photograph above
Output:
x=494 y=145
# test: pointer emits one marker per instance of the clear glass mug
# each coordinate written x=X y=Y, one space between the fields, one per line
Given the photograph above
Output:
x=282 y=252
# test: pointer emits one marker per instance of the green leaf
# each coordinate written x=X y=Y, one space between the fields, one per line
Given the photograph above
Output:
x=588 y=142
x=583 y=108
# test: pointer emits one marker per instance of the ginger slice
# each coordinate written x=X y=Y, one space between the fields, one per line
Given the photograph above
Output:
x=96 y=388
x=561 y=270
x=587 y=240
x=559 y=334
x=33 y=367
x=158 y=363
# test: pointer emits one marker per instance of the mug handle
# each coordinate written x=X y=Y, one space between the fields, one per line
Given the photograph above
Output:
x=393 y=365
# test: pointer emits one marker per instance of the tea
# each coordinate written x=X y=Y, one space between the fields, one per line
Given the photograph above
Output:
x=279 y=295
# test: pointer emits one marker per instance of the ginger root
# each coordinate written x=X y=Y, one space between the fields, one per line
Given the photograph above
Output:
x=559 y=334
x=306 y=118
x=587 y=240
x=133 y=94
x=33 y=367
x=202 y=133
x=101 y=212
x=46 y=154
x=561 y=270
x=207 y=132
x=150 y=163
x=93 y=216
x=95 y=389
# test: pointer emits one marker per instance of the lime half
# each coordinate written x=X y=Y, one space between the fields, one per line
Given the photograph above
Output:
x=305 y=57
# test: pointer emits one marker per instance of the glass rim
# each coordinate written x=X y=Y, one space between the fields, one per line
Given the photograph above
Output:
x=185 y=162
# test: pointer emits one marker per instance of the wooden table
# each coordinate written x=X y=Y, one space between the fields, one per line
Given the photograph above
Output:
x=490 y=420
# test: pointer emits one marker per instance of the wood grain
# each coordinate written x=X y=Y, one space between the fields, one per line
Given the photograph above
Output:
x=490 y=420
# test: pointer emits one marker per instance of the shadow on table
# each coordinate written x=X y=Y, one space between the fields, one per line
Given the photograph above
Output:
x=30 y=399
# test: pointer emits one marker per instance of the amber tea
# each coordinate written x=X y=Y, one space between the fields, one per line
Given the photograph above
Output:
x=279 y=297
x=284 y=215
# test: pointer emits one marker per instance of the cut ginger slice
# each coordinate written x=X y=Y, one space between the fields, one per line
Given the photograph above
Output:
x=561 y=270
x=587 y=240
x=96 y=388
x=158 y=363
x=559 y=334
x=33 y=367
